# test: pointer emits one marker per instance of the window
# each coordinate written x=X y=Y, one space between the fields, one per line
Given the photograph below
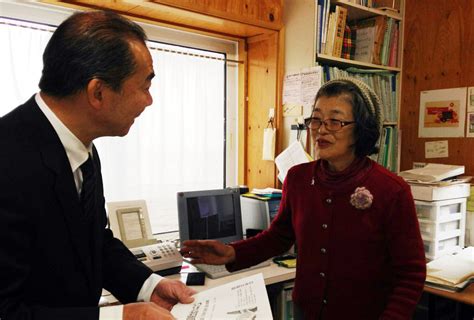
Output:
x=185 y=141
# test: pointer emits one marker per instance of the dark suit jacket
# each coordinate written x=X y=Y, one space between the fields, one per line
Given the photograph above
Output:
x=53 y=263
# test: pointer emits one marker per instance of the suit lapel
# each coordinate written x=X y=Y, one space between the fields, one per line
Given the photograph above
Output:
x=66 y=193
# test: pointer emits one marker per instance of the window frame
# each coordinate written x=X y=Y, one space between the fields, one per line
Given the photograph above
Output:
x=51 y=15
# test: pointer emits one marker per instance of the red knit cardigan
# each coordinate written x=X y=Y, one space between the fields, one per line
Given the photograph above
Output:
x=352 y=263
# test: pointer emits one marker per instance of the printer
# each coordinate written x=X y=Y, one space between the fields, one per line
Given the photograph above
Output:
x=257 y=213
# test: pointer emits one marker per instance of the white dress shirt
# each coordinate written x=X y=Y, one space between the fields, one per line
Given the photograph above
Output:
x=77 y=154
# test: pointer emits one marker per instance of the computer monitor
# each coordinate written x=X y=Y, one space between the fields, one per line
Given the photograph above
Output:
x=210 y=214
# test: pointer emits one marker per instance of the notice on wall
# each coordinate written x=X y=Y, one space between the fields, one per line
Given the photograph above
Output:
x=300 y=89
x=436 y=149
x=442 y=113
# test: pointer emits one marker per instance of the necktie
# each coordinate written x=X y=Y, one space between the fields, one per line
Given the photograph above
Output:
x=88 y=187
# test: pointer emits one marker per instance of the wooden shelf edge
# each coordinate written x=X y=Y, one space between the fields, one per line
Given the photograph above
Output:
x=374 y=11
x=327 y=58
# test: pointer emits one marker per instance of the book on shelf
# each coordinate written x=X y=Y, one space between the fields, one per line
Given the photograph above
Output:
x=393 y=56
x=380 y=31
x=379 y=23
x=325 y=4
x=349 y=43
x=364 y=44
x=432 y=172
x=330 y=34
x=451 y=272
x=384 y=51
x=338 y=40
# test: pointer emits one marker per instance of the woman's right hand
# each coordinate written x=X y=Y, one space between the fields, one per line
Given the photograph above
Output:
x=207 y=251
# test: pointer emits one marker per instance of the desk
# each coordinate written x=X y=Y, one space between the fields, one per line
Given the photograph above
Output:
x=439 y=304
x=466 y=296
x=272 y=274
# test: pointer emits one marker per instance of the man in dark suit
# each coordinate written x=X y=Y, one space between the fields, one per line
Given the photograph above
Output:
x=56 y=253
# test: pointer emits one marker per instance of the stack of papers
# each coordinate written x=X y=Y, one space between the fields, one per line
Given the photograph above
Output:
x=432 y=173
x=267 y=192
x=452 y=272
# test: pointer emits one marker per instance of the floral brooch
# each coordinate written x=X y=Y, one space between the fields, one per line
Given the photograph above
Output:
x=362 y=198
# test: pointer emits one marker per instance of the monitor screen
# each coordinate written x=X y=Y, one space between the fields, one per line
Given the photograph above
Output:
x=210 y=214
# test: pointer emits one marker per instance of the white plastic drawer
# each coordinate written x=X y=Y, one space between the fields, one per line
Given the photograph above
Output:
x=446 y=210
x=440 y=230
x=437 y=248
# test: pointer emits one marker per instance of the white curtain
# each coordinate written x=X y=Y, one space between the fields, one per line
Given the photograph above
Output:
x=177 y=144
x=20 y=61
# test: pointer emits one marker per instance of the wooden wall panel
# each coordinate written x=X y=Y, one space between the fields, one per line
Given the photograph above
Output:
x=175 y=15
x=262 y=95
x=263 y=13
x=438 y=54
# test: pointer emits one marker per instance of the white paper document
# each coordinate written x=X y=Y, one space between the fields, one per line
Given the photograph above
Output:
x=289 y=157
x=243 y=299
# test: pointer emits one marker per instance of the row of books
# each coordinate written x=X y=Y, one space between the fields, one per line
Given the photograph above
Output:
x=373 y=40
x=384 y=83
x=331 y=28
x=389 y=150
x=376 y=40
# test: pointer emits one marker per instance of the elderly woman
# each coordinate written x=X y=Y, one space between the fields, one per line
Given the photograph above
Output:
x=360 y=253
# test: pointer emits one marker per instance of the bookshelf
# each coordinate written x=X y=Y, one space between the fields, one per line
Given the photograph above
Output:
x=380 y=65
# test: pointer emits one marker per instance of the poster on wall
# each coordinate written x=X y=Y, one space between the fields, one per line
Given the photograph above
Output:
x=470 y=125
x=442 y=113
x=470 y=101
x=470 y=113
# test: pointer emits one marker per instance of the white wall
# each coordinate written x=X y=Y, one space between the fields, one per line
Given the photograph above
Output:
x=299 y=20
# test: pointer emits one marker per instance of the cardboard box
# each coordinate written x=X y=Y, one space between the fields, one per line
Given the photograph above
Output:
x=435 y=193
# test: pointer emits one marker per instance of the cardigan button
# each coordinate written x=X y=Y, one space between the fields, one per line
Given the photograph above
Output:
x=324 y=226
x=322 y=274
x=329 y=200
x=323 y=250
x=325 y=301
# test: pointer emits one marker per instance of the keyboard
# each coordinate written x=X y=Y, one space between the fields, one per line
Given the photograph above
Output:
x=219 y=271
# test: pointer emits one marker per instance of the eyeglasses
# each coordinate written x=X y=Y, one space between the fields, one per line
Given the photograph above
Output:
x=331 y=125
